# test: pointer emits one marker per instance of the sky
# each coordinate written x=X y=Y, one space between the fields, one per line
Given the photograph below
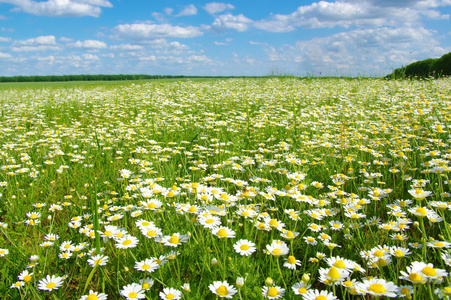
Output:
x=246 y=37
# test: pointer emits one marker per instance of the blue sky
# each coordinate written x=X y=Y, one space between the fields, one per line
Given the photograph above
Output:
x=252 y=37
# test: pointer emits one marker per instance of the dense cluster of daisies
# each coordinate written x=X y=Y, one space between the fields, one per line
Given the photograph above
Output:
x=249 y=189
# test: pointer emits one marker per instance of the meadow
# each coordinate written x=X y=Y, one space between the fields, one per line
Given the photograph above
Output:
x=270 y=188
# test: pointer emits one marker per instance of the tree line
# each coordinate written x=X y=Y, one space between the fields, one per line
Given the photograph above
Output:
x=428 y=68
x=99 y=77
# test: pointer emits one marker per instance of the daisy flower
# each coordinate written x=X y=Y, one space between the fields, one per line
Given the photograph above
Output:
x=223 y=232
x=405 y=290
x=3 y=252
x=25 y=276
x=94 y=296
x=170 y=293
x=17 y=285
x=378 y=288
x=133 y=291
x=439 y=244
x=274 y=292
x=98 y=260
x=146 y=283
x=222 y=289
x=151 y=232
x=316 y=295
x=147 y=265
x=301 y=288
x=209 y=221
x=174 y=240
x=291 y=262
x=126 y=242
x=244 y=247
x=428 y=270
x=277 y=248
x=332 y=275
x=50 y=283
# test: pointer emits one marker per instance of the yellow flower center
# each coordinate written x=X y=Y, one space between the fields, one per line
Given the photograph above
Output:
x=146 y=285
x=378 y=253
x=428 y=271
x=174 y=239
x=27 y=278
x=222 y=291
x=126 y=242
x=348 y=283
x=339 y=264
x=222 y=232
x=92 y=297
x=244 y=247
x=311 y=240
x=274 y=223
x=399 y=253
x=377 y=288
x=50 y=285
x=415 y=278
x=333 y=274
x=273 y=292
x=405 y=291
x=291 y=260
x=276 y=252
x=151 y=233
x=170 y=194
x=439 y=244
x=132 y=295
x=421 y=211
x=98 y=261
x=145 y=267
x=151 y=205
x=302 y=291
x=107 y=233
x=321 y=297
x=245 y=214
x=170 y=296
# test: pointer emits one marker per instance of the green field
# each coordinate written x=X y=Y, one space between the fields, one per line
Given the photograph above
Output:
x=242 y=188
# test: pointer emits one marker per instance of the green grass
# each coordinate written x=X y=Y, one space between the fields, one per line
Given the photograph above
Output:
x=105 y=149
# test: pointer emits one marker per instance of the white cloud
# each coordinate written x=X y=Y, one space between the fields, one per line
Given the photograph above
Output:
x=168 y=11
x=189 y=10
x=141 y=31
x=61 y=8
x=89 y=44
x=239 y=23
x=364 y=51
x=65 y=39
x=40 y=40
x=346 y=13
x=126 y=47
x=35 y=48
x=216 y=7
x=220 y=43
x=88 y=56
x=5 y=39
x=5 y=55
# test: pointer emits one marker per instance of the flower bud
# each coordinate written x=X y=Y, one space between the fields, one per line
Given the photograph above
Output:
x=306 y=278
x=186 y=287
x=240 y=282
x=269 y=282
x=214 y=262
x=416 y=224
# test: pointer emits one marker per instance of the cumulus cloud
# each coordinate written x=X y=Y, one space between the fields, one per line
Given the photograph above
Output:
x=370 y=51
x=89 y=44
x=126 y=47
x=216 y=7
x=40 y=40
x=141 y=31
x=228 y=21
x=5 y=55
x=189 y=10
x=61 y=8
x=5 y=39
x=346 y=13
